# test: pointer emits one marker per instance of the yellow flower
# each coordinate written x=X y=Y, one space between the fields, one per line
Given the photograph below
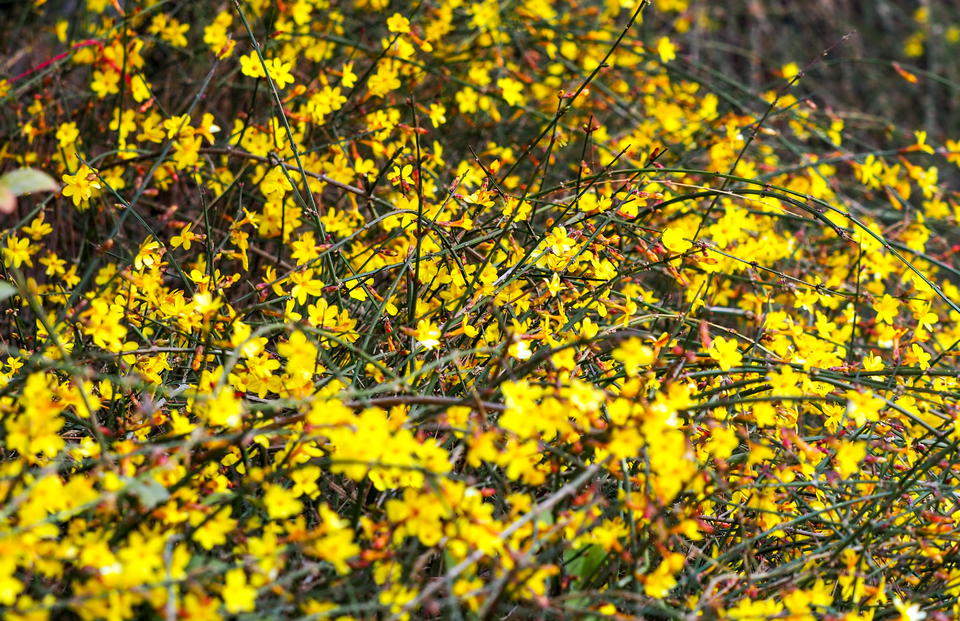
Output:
x=280 y=72
x=634 y=355
x=427 y=334
x=512 y=91
x=301 y=354
x=213 y=531
x=790 y=70
x=921 y=144
x=81 y=186
x=305 y=285
x=281 y=502
x=666 y=50
x=185 y=238
x=67 y=134
x=920 y=356
x=659 y=582
x=725 y=352
x=863 y=406
x=872 y=362
x=251 y=66
x=10 y=586
x=398 y=23
x=105 y=83
x=148 y=255
x=238 y=595
x=848 y=457
x=675 y=239
x=887 y=308
x=17 y=252
x=437 y=114
x=347 y=77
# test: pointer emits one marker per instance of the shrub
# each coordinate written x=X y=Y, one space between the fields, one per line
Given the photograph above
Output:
x=464 y=310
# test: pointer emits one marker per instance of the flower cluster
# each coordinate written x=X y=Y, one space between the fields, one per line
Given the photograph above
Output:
x=468 y=310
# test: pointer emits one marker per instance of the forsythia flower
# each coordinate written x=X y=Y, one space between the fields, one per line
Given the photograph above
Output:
x=725 y=352
x=17 y=252
x=634 y=355
x=280 y=72
x=674 y=238
x=887 y=308
x=666 y=49
x=251 y=66
x=398 y=23
x=67 y=134
x=81 y=185
x=427 y=334
x=239 y=596
x=848 y=457
x=422 y=321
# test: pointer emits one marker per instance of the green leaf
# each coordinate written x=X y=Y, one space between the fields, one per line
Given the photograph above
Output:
x=585 y=562
x=23 y=181
x=6 y=290
x=150 y=492
x=28 y=180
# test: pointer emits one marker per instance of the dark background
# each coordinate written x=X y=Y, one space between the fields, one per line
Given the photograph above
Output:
x=849 y=47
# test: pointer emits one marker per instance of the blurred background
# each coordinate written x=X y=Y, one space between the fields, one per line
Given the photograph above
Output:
x=874 y=61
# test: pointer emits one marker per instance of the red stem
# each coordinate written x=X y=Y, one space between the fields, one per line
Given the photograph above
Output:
x=50 y=61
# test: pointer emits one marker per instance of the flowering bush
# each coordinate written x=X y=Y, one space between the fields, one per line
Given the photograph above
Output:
x=464 y=310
